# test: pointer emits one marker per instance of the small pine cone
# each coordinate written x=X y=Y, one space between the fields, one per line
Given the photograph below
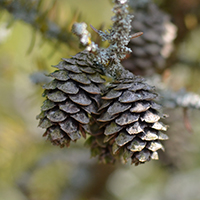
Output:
x=131 y=121
x=71 y=99
x=150 y=51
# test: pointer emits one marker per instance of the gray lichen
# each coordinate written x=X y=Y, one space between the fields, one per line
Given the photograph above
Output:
x=118 y=37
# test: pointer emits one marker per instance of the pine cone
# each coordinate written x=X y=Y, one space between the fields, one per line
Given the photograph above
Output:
x=130 y=121
x=149 y=51
x=71 y=99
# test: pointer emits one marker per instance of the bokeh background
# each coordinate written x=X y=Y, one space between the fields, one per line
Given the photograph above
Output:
x=31 y=168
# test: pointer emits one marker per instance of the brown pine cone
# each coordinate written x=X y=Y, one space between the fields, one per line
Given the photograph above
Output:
x=71 y=99
x=130 y=121
x=149 y=51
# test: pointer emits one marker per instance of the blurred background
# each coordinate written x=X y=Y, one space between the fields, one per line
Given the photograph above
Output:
x=34 y=35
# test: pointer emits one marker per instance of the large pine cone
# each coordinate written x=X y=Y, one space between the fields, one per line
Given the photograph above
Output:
x=130 y=122
x=71 y=99
x=149 y=51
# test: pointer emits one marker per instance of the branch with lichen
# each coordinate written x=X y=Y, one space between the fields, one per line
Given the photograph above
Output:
x=181 y=98
x=118 y=37
x=28 y=12
x=174 y=99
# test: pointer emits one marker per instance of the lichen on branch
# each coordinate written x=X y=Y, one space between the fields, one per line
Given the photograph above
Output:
x=118 y=37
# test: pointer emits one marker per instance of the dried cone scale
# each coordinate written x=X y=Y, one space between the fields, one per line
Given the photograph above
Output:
x=71 y=99
x=130 y=120
x=150 y=51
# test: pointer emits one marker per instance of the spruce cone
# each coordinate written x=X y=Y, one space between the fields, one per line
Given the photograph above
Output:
x=149 y=51
x=130 y=121
x=71 y=98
